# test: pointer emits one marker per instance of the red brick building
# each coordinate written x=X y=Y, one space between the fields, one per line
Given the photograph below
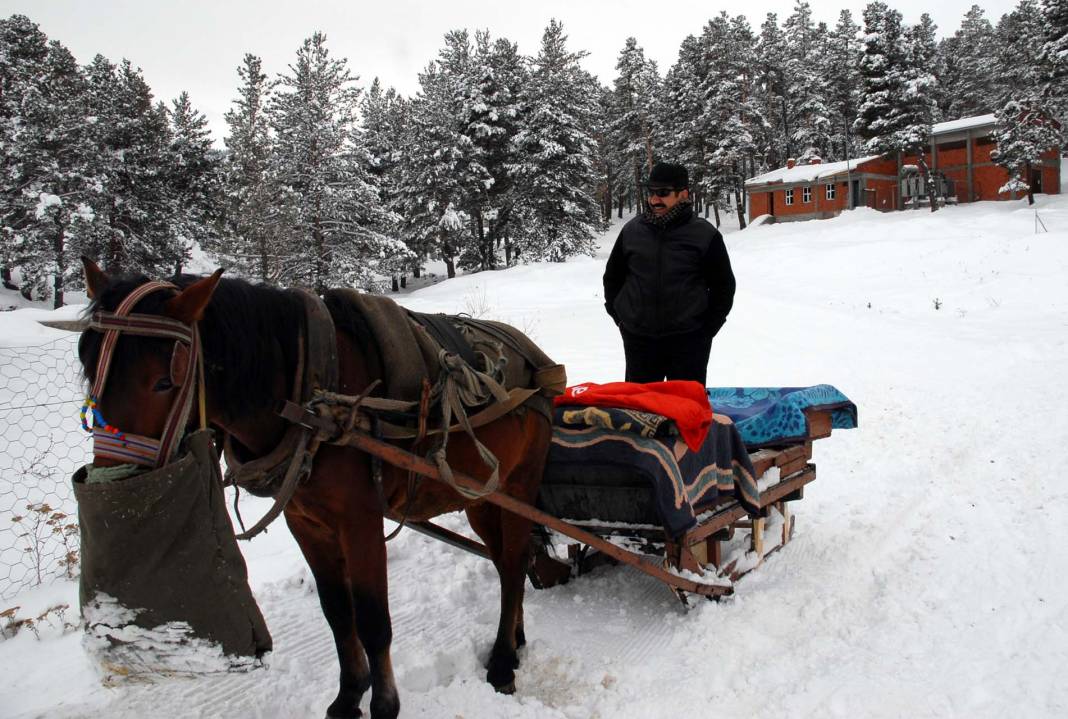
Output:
x=960 y=154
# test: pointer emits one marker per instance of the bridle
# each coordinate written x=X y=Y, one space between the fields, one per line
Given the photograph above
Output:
x=110 y=442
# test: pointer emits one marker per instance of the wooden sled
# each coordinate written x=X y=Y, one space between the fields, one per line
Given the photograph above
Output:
x=726 y=543
x=694 y=564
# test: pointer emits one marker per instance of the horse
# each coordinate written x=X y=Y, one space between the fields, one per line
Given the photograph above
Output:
x=250 y=339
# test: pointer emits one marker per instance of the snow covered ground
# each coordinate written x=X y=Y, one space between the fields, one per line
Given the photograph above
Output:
x=928 y=574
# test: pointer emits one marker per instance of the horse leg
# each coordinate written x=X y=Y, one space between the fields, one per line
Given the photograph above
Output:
x=365 y=560
x=322 y=551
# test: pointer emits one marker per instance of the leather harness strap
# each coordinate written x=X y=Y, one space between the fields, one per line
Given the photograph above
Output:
x=132 y=448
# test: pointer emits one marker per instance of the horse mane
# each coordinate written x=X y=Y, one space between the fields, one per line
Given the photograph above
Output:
x=249 y=332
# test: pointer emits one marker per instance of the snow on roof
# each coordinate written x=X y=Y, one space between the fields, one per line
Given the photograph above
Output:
x=965 y=123
x=807 y=173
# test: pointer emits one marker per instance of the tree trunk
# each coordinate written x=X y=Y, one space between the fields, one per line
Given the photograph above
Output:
x=1030 y=184
x=417 y=272
x=450 y=259
x=738 y=206
x=404 y=281
x=61 y=269
x=508 y=250
x=928 y=180
x=263 y=260
x=395 y=282
x=715 y=211
x=5 y=276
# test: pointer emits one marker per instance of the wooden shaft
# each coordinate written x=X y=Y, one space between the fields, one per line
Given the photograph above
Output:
x=414 y=463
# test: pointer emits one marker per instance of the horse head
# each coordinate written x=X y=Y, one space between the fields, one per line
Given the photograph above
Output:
x=139 y=357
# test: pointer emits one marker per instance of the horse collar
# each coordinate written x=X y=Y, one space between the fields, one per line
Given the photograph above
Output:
x=317 y=369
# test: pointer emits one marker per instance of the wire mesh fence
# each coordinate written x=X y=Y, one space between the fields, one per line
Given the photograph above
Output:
x=41 y=445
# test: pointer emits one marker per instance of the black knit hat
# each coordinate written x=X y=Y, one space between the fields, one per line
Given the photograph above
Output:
x=669 y=175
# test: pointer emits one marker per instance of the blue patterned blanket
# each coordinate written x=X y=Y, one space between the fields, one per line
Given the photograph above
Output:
x=767 y=416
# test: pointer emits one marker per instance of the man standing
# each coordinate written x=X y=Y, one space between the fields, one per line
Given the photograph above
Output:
x=668 y=284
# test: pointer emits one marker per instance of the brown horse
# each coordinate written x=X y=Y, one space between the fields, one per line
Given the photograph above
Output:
x=250 y=344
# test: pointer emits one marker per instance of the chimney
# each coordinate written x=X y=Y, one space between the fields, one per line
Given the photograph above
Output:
x=790 y=163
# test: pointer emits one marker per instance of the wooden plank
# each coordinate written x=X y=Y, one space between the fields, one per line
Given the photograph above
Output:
x=756 y=540
x=414 y=463
x=452 y=538
x=788 y=485
x=763 y=460
x=733 y=514
x=819 y=423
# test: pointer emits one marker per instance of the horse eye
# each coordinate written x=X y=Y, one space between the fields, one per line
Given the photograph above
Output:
x=163 y=385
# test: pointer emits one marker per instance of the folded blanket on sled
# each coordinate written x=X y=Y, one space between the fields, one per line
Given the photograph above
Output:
x=682 y=480
x=684 y=402
x=768 y=416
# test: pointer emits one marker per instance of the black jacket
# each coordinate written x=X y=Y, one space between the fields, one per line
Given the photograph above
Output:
x=664 y=281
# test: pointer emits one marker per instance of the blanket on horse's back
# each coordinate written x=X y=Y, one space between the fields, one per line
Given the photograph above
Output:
x=409 y=352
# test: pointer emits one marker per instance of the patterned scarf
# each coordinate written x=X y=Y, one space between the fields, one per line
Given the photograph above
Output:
x=677 y=215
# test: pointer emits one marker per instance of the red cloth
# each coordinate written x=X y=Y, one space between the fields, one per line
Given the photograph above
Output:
x=684 y=401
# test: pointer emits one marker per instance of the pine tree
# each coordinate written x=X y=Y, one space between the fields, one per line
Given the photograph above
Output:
x=489 y=119
x=968 y=60
x=884 y=72
x=805 y=87
x=1019 y=41
x=257 y=210
x=730 y=112
x=195 y=183
x=317 y=157
x=128 y=196
x=1025 y=132
x=633 y=124
x=436 y=171
x=384 y=123
x=23 y=49
x=775 y=147
x=682 y=100
x=47 y=215
x=554 y=151
x=1054 y=57
x=840 y=67
x=1027 y=112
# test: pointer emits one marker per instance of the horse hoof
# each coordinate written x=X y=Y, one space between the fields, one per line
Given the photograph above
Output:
x=343 y=710
x=508 y=688
x=343 y=715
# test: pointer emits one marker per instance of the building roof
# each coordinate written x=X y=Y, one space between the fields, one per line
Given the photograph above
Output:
x=807 y=173
x=965 y=123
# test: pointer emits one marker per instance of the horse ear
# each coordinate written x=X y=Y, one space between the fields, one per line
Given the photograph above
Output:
x=95 y=279
x=190 y=303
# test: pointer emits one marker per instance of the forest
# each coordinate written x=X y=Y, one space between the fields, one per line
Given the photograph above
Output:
x=500 y=158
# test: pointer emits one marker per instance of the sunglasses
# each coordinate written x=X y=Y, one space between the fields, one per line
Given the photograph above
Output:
x=661 y=191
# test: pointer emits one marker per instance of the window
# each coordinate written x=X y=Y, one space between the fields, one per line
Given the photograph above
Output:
x=806 y=194
x=790 y=197
x=830 y=190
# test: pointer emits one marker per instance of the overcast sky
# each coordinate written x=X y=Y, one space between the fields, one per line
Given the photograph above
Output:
x=196 y=45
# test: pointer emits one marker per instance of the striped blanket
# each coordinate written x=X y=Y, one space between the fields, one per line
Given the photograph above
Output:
x=683 y=480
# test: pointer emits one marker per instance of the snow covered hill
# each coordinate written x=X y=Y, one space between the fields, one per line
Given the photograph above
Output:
x=927 y=576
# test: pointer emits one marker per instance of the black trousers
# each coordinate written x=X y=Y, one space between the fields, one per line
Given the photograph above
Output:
x=653 y=359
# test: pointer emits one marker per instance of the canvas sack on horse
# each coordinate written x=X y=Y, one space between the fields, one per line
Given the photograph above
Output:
x=163 y=586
